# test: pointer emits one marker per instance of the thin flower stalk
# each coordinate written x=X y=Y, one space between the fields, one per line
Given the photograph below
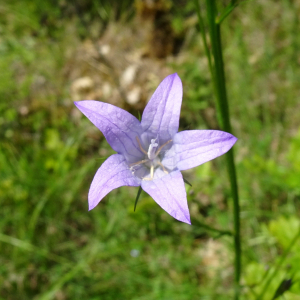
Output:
x=219 y=84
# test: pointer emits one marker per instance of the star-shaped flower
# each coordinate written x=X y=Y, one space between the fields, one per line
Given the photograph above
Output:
x=151 y=153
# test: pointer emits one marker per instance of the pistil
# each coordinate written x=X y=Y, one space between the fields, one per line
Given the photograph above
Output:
x=152 y=160
x=151 y=151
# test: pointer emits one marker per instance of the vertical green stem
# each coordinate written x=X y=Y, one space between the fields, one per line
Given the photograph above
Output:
x=202 y=31
x=222 y=106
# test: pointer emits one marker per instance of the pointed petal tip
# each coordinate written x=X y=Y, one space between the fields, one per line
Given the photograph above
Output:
x=234 y=139
x=174 y=75
x=231 y=140
x=185 y=219
x=91 y=206
x=181 y=218
x=80 y=102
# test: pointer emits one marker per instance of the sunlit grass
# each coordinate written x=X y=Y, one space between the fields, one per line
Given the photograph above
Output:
x=51 y=247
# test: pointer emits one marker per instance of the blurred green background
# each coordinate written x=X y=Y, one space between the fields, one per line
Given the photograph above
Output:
x=55 y=52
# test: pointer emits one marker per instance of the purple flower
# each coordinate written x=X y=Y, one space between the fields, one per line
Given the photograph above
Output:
x=151 y=153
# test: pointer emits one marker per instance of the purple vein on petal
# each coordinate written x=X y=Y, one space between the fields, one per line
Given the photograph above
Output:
x=173 y=198
x=195 y=147
x=165 y=101
x=169 y=193
x=124 y=145
x=161 y=115
x=113 y=173
x=91 y=113
x=125 y=133
x=198 y=147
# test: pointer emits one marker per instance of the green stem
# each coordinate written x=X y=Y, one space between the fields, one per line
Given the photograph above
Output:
x=226 y=12
x=278 y=266
x=207 y=227
x=219 y=74
x=202 y=31
x=222 y=106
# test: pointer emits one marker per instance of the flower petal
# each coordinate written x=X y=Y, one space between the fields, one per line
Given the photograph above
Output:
x=169 y=193
x=119 y=127
x=195 y=147
x=161 y=115
x=113 y=173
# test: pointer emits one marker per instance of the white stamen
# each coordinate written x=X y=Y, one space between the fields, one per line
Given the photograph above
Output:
x=160 y=148
x=164 y=169
x=142 y=149
x=151 y=174
x=139 y=162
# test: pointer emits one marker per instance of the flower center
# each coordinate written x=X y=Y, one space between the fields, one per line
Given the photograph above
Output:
x=152 y=158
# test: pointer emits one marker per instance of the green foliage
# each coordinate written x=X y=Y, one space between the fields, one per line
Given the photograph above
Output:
x=282 y=231
x=51 y=247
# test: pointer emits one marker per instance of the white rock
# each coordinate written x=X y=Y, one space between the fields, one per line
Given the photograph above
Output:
x=133 y=96
x=128 y=75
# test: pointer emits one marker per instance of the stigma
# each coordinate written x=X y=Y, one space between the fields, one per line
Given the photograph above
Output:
x=151 y=150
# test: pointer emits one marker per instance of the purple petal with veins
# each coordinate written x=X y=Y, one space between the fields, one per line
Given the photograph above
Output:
x=152 y=152
x=169 y=193
x=119 y=127
x=161 y=115
x=113 y=173
x=195 y=147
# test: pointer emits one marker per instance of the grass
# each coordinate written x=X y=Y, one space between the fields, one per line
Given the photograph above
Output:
x=52 y=248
